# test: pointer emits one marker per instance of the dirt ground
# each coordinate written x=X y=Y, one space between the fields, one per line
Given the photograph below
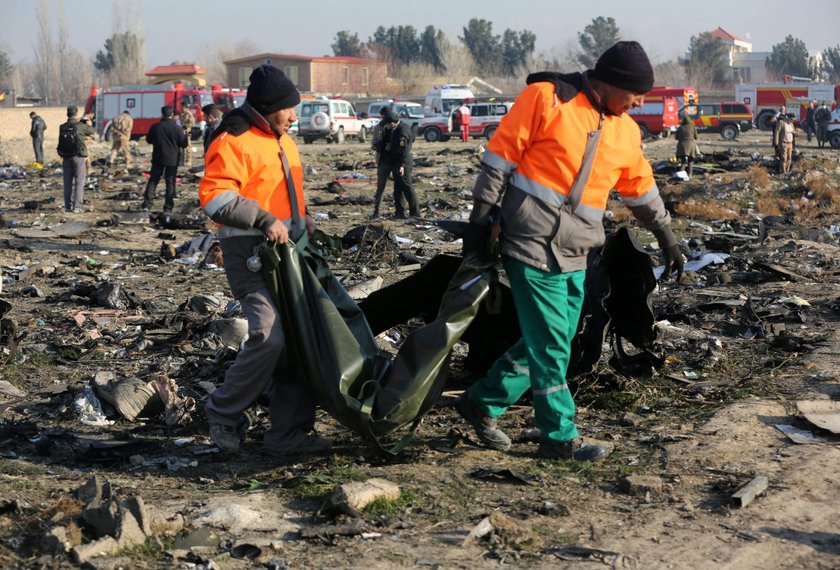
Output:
x=686 y=435
x=15 y=144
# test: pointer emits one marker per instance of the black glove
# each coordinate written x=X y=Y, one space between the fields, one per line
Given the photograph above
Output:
x=478 y=235
x=475 y=238
x=671 y=254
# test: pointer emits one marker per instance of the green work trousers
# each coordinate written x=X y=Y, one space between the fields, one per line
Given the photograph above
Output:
x=548 y=305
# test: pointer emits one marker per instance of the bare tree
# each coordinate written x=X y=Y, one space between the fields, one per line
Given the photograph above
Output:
x=414 y=77
x=457 y=60
x=45 y=64
x=128 y=44
x=74 y=70
x=213 y=55
x=670 y=73
x=563 y=58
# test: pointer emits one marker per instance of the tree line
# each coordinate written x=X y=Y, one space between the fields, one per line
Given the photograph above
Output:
x=59 y=73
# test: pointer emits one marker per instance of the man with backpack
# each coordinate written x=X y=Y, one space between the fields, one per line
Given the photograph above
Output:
x=71 y=148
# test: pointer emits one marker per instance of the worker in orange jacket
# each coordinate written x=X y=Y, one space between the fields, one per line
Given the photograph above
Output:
x=566 y=143
x=253 y=189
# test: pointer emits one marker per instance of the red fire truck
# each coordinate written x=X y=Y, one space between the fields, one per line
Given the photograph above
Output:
x=226 y=98
x=683 y=95
x=765 y=98
x=144 y=102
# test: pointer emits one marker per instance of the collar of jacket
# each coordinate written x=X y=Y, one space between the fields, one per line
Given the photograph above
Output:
x=568 y=85
x=239 y=120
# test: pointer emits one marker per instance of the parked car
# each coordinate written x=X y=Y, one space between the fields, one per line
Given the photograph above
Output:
x=331 y=119
x=411 y=113
x=657 y=118
x=729 y=118
x=834 y=129
x=484 y=119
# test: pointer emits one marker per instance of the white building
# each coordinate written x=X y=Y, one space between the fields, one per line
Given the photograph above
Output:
x=747 y=66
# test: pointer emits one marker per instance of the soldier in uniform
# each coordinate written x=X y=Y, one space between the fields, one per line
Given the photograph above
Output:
x=187 y=121
x=123 y=123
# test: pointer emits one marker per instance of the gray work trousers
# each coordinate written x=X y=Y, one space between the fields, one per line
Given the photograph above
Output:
x=261 y=367
x=74 y=169
x=38 y=147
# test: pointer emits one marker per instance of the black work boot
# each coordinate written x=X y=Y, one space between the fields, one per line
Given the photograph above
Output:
x=485 y=427
x=572 y=449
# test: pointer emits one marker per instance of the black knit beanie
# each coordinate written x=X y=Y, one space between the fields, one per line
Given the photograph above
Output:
x=625 y=65
x=390 y=117
x=270 y=90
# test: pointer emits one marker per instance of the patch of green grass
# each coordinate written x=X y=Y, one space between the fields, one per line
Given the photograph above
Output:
x=385 y=509
x=345 y=473
x=611 y=401
x=38 y=359
x=69 y=353
x=20 y=469
x=321 y=482
x=26 y=484
x=742 y=394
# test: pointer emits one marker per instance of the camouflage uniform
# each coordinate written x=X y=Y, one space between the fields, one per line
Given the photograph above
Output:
x=121 y=128
x=187 y=121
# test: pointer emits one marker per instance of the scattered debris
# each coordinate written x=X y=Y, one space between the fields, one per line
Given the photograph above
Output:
x=745 y=495
x=824 y=414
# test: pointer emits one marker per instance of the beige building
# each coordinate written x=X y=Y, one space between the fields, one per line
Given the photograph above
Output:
x=328 y=75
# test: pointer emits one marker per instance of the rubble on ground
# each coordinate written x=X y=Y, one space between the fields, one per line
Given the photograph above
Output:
x=115 y=325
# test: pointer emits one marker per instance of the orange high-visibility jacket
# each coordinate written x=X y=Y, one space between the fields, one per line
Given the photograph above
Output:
x=538 y=154
x=244 y=171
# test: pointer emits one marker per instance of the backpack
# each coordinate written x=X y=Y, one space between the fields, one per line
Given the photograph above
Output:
x=68 y=140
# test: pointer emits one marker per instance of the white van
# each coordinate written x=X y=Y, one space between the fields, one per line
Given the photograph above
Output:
x=411 y=113
x=442 y=99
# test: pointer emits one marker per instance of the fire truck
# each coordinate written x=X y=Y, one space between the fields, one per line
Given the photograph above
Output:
x=226 y=98
x=765 y=98
x=144 y=102
x=683 y=95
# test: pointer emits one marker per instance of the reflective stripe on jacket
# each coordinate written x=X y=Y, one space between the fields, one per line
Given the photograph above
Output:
x=249 y=167
x=537 y=155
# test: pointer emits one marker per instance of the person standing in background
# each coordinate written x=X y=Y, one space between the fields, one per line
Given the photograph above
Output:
x=822 y=116
x=810 y=124
x=213 y=116
x=383 y=170
x=686 y=144
x=464 y=120
x=36 y=131
x=121 y=127
x=187 y=120
x=397 y=159
x=167 y=140
x=73 y=151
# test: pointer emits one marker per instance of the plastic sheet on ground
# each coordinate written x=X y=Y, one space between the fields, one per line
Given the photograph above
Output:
x=336 y=352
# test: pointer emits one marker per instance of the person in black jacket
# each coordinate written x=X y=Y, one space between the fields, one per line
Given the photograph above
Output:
x=167 y=140
x=36 y=131
x=396 y=156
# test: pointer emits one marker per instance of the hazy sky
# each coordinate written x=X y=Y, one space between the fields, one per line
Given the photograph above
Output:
x=178 y=29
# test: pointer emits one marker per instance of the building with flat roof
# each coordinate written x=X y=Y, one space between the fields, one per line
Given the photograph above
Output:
x=328 y=75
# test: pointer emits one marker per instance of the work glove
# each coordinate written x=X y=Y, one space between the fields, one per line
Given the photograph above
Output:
x=479 y=237
x=475 y=240
x=672 y=257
